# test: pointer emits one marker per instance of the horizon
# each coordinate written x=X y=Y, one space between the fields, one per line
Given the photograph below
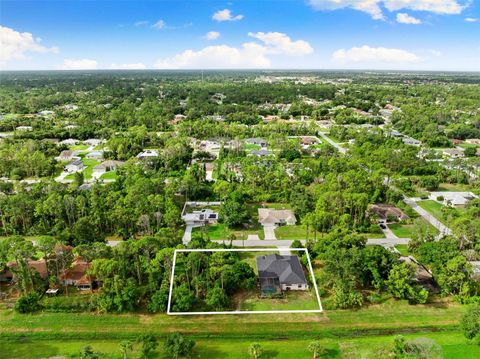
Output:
x=330 y=35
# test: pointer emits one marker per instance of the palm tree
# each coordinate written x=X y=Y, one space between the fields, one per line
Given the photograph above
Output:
x=316 y=348
x=255 y=350
x=126 y=346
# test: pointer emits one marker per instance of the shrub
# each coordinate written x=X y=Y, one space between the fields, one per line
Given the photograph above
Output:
x=28 y=303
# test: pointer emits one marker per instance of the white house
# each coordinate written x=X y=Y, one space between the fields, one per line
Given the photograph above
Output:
x=200 y=218
x=24 y=128
x=69 y=142
x=93 y=142
x=95 y=155
x=75 y=166
x=453 y=153
x=147 y=154
x=105 y=167
x=454 y=199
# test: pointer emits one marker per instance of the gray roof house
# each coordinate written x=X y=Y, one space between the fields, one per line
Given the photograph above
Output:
x=256 y=141
x=271 y=216
x=280 y=273
x=75 y=166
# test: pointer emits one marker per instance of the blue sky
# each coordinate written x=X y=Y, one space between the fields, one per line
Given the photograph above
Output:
x=311 y=34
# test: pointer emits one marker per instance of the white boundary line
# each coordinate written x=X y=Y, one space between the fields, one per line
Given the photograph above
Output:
x=320 y=310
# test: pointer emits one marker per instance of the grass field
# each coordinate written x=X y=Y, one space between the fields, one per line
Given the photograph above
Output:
x=220 y=231
x=433 y=207
x=112 y=175
x=403 y=249
x=293 y=300
x=365 y=333
x=453 y=346
x=408 y=230
x=293 y=232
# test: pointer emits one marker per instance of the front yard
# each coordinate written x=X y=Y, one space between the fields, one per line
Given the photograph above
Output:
x=433 y=207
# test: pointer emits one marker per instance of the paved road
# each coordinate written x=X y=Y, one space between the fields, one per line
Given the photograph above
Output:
x=287 y=243
x=334 y=144
x=443 y=229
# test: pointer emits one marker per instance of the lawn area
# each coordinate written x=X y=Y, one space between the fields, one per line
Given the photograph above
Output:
x=112 y=175
x=403 y=249
x=408 y=230
x=79 y=147
x=293 y=232
x=220 y=231
x=453 y=345
x=433 y=207
x=293 y=300
x=87 y=172
x=252 y=147
x=454 y=187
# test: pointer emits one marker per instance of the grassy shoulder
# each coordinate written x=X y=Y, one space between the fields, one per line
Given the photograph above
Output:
x=453 y=345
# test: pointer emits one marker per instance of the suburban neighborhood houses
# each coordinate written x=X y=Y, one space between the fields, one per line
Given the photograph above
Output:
x=290 y=207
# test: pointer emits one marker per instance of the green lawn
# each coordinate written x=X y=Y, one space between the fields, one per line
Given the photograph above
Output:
x=403 y=249
x=220 y=231
x=433 y=207
x=79 y=147
x=112 y=175
x=293 y=300
x=252 y=147
x=293 y=232
x=455 y=187
x=87 y=172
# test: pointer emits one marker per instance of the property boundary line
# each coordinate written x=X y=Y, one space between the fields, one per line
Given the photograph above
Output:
x=312 y=275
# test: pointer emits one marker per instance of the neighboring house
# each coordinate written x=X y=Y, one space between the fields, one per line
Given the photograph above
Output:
x=106 y=166
x=277 y=217
x=454 y=199
x=24 y=128
x=94 y=142
x=256 y=141
x=147 y=154
x=177 y=118
x=279 y=273
x=69 y=142
x=70 y=127
x=95 y=155
x=259 y=153
x=453 y=153
x=39 y=266
x=200 y=218
x=70 y=107
x=75 y=166
x=476 y=269
x=411 y=141
x=387 y=213
x=473 y=141
x=77 y=275
x=270 y=118
x=67 y=155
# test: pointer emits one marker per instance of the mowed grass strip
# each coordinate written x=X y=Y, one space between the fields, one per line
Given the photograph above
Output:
x=454 y=346
x=390 y=317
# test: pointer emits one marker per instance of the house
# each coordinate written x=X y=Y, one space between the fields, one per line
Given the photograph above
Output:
x=70 y=107
x=270 y=118
x=387 y=213
x=70 y=127
x=473 y=141
x=69 y=142
x=67 y=155
x=277 y=217
x=24 y=128
x=38 y=266
x=279 y=273
x=77 y=275
x=453 y=153
x=75 y=166
x=106 y=166
x=411 y=141
x=259 y=153
x=307 y=141
x=46 y=113
x=457 y=142
x=147 y=154
x=93 y=142
x=209 y=168
x=95 y=155
x=256 y=141
x=177 y=118
x=453 y=199
x=200 y=218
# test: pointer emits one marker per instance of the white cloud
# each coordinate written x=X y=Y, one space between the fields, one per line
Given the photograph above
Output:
x=212 y=35
x=226 y=15
x=373 y=7
x=160 y=24
x=141 y=23
x=248 y=55
x=14 y=45
x=279 y=43
x=372 y=55
x=79 y=64
x=137 y=66
x=471 y=19
x=404 y=18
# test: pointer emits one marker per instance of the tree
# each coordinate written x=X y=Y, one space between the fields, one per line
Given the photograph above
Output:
x=401 y=285
x=28 y=303
x=176 y=345
x=217 y=299
x=255 y=351
x=125 y=347
x=183 y=298
x=316 y=348
x=234 y=210
x=470 y=323
x=149 y=344
x=88 y=353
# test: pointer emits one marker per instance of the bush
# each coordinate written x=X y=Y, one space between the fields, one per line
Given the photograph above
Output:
x=176 y=345
x=28 y=303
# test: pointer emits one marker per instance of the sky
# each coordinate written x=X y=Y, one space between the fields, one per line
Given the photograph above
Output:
x=436 y=35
